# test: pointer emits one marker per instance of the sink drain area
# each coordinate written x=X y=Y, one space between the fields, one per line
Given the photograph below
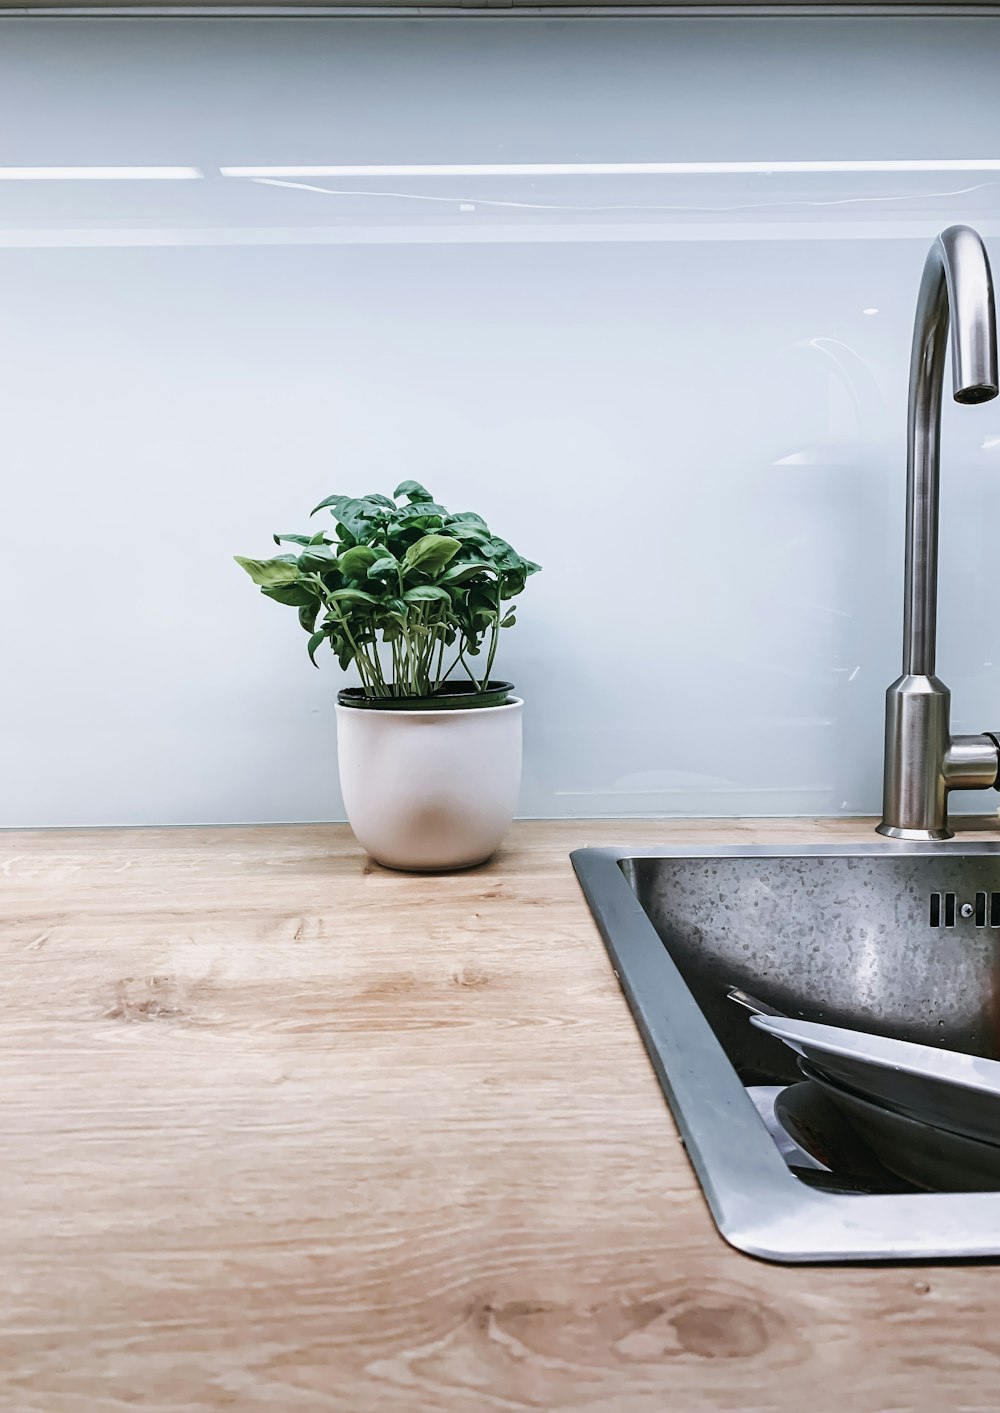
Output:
x=945 y=909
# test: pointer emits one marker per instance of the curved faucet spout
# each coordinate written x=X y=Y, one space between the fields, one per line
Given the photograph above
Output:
x=965 y=267
x=922 y=763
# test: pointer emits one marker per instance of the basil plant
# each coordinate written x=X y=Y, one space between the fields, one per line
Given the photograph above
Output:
x=407 y=592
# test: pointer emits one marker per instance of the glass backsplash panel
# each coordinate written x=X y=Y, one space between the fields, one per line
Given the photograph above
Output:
x=639 y=290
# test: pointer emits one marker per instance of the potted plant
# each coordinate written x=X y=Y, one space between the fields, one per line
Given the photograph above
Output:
x=415 y=597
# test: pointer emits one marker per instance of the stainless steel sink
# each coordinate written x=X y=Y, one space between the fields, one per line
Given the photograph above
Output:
x=898 y=938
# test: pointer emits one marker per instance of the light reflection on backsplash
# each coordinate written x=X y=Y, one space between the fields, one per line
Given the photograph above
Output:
x=542 y=270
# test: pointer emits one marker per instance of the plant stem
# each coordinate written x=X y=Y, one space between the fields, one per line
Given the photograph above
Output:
x=440 y=662
x=377 y=665
x=451 y=669
x=472 y=676
x=494 y=640
x=409 y=657
x=368 y=679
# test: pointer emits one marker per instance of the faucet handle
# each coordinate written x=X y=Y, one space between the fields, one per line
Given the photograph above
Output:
x=973 y=762
x=995 y=738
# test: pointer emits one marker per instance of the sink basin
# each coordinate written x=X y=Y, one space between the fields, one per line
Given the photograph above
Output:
x=902 y=939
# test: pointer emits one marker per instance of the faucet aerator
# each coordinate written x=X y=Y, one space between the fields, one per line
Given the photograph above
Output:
x=979 y=392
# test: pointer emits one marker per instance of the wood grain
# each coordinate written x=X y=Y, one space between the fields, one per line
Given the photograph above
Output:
x=284 y=1131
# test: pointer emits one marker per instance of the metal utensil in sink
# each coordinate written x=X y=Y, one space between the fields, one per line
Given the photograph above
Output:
x=753 y=1004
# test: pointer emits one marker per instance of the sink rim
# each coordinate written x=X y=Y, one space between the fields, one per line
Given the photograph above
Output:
x=759 y=1206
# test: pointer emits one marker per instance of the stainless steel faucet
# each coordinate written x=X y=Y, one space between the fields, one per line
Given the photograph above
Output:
x=923 y=761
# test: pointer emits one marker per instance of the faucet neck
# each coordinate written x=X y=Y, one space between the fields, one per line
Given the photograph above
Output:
x=923 y=465
x=956 y=289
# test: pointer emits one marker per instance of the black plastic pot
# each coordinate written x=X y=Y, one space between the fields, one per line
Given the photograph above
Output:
x=452 y=696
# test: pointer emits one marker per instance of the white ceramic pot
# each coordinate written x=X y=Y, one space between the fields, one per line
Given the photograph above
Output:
x=430 y=790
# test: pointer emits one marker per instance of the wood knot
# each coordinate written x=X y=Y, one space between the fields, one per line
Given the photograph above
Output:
x=520 y=1309
x=487 y=1317
x=472 y=977
x=727 y=1330
x=708 y=1326
x=147 y=998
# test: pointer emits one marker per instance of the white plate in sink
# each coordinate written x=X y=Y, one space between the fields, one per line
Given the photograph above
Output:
x=956 y=1092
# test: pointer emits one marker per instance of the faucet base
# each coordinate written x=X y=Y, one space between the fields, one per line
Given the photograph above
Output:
x=930 y=836
x=915 y=792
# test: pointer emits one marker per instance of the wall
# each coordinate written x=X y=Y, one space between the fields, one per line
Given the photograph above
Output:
x=682 y=391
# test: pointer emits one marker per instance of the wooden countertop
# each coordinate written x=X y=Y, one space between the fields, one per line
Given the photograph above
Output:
x=284 y=1131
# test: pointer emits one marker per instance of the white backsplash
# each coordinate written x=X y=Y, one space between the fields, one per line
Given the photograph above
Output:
x=682 y=391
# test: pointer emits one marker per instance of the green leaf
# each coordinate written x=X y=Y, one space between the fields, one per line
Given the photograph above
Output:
x=508 y=620
x=298 y=595
x=462 y=573
x=481 y=598
x=355 y=516
x=413 y=491
x=467 y=517
x=425 y=593
x=419 y=512
x=503 y=555
x=430 y=553
x=269 y=572
x=467 y=532
x=307 y=615
x=355 y=563
x=354 y=596
x=312 y=645
x=354 y=520
x=331 y=502
x=512 y=582
x=319 y=557
x=386 y=563
x=292 y=539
